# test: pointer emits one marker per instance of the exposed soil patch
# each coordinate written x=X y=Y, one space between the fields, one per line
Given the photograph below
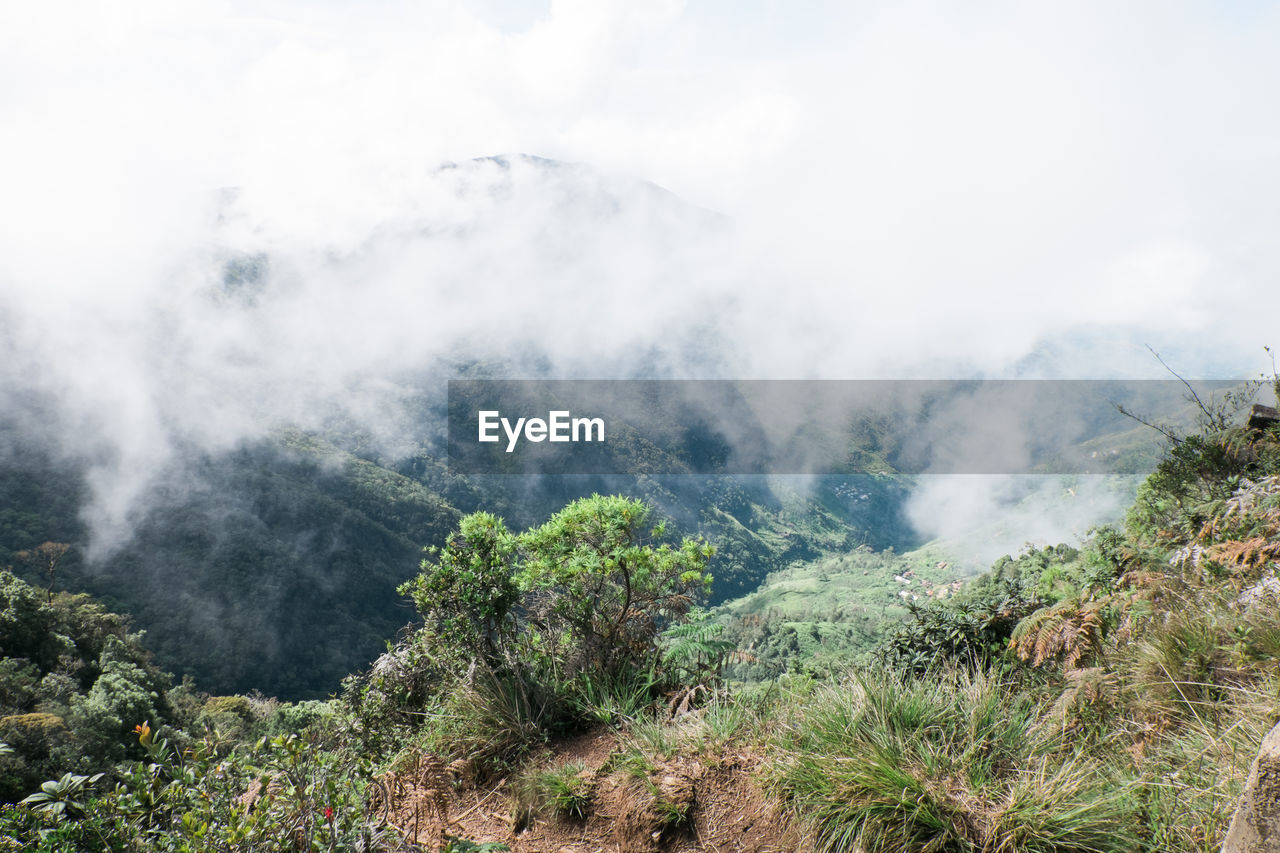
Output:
x=686 y=805
x=732 y=814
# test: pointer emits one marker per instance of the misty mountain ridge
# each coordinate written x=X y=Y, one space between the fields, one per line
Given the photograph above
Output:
x=252 y=463
x=274 y=565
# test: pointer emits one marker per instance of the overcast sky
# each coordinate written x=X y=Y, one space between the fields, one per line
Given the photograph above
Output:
x=908 y=189
x=971 y=170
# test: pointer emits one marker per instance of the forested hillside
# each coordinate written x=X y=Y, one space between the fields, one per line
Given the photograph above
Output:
x=1105 y=697
x=274 y=566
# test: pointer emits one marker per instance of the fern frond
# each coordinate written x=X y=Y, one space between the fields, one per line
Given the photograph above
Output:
x=1069 y=632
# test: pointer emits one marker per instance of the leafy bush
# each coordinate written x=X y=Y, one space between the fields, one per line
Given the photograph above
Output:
x=1195 y=472
x=972 y=633
x=600 y=587
x=297 y=717
x=283 y=790
x=467 y=593
x=73 y=683
x=120 y=698
x=389 y=698
x=537 y=633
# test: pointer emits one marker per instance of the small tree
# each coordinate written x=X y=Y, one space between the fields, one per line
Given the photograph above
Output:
x=45 y=557
x=598 y=586
x=544 y=625
x=466 y=590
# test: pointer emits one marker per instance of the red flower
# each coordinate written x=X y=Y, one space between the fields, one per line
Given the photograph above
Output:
x=328 y=814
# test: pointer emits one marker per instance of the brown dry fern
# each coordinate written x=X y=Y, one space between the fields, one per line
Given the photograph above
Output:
x=1069 y=633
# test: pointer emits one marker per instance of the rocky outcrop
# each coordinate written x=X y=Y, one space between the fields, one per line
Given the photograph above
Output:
x=1256 y=825
x=1263 y=417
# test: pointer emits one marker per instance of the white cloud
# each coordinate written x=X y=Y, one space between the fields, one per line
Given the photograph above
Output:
x=911 y=189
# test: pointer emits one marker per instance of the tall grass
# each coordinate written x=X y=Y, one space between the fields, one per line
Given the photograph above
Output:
x=957 y=763
x=562 y=792
x=652 y=739
x=494 y=722
x=1189 y=771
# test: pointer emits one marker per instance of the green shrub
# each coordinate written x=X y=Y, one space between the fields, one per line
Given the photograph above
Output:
x=301 y=716
x=236 y=705
x=466 y=594
x=602 y=581
x=535 y=634
x=973 y=633
x=121 y=698
x=284 y=790
x=389 y=698
x=38 y=743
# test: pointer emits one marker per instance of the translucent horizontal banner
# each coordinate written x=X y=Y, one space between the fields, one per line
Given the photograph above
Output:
x=668 y=427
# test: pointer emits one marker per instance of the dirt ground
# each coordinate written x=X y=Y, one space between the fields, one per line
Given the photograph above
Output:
x=725 y=810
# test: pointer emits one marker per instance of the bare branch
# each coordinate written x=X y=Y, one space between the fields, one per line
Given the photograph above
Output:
x=1173 y=437
x=1208 y=413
